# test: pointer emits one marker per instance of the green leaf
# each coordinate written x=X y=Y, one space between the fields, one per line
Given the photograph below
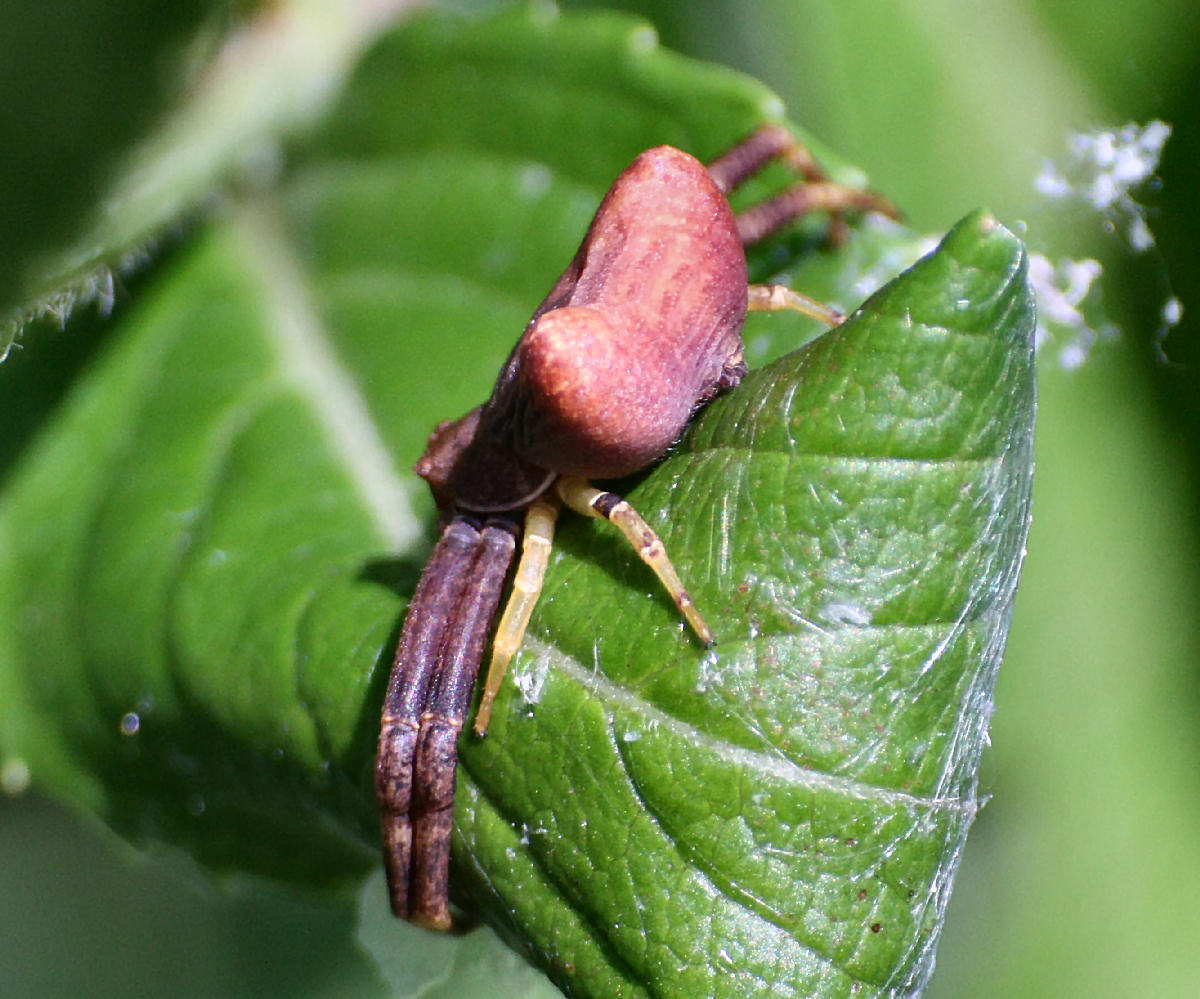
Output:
x=81 y=82
x=275 y=75
x=204 y=554
x=851 y=518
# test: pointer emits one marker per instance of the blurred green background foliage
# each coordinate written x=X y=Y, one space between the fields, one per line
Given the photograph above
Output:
x=1081 y=872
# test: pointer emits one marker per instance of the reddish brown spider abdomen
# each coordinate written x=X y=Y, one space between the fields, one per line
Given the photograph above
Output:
x=643 y=327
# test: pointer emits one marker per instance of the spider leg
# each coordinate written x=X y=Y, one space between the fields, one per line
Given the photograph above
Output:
x=436 y=760
x=527 y=587
x=416 y=662
x=752 y=154
x=774 y=142
x=584 y=498
x=778 y=297
x=759 y=221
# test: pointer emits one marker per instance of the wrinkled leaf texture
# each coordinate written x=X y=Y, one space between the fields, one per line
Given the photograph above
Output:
x=217 y=531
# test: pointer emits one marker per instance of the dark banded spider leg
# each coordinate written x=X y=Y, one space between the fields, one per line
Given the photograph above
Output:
x=753 y=154
x=774 y=142
x=428 y=695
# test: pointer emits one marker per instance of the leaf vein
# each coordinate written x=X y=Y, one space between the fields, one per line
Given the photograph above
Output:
x=311 y=363
x=607 y=692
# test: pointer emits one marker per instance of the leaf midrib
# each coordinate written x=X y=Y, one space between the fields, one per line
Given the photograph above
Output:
x=608 y=693
x=311 y=363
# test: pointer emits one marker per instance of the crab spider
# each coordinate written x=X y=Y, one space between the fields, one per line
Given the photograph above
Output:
x=641 y=330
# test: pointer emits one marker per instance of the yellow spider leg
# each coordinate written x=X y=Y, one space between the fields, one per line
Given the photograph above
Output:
x=584 y=498
x=777 y=297
x=527 y=587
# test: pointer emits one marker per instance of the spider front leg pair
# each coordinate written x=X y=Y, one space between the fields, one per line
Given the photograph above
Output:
x=641 y=330
x=437 y=660
x=428 y=694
